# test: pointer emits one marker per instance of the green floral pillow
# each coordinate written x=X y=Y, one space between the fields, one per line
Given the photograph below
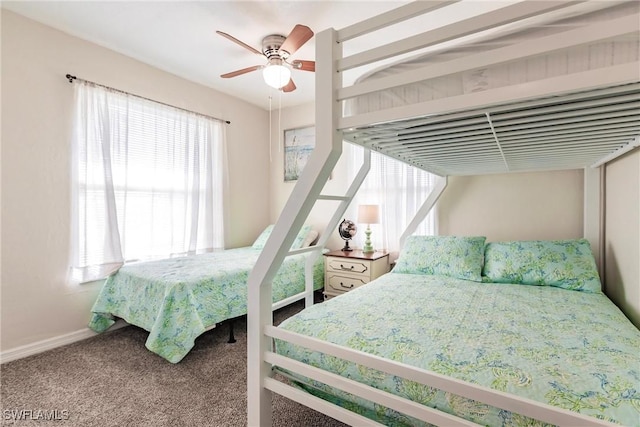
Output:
x=452 y=256
x=565 y=264
x=297 y=243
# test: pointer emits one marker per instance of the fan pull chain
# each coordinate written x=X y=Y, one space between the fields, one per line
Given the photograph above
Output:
x=279 y=120
x=270 y=132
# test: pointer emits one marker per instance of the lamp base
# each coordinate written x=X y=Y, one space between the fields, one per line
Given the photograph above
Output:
x=367 y=248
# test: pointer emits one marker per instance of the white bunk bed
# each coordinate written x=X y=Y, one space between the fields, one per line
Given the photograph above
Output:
x=530 y=86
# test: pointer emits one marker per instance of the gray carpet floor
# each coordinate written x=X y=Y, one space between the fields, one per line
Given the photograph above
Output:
x=113 y=380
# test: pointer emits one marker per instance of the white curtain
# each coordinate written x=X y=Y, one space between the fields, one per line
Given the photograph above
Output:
x=399 y=189
x=148 y=181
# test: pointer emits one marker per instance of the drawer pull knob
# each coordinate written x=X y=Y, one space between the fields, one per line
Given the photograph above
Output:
x=344 y=268
x=347 y=287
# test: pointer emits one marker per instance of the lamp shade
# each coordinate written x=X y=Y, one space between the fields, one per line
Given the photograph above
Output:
x=276 y=75
x=368 y=214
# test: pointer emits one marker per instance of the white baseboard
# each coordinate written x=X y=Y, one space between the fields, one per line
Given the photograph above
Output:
x=51 y=343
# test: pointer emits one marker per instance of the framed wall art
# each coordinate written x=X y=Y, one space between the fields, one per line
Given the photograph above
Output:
x=298 y=145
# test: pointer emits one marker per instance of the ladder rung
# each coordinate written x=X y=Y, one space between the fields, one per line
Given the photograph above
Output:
x=305 y=250
x=287 y=301
x=328 y=197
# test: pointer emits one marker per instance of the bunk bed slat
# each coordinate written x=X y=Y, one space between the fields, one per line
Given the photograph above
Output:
x=575 y=132
x=471 y=150
x=571 y=123
x=604 y=136
x=574 y=115
x=592 y=105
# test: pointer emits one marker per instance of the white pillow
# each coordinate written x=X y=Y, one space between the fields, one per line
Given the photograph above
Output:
x=311 y=237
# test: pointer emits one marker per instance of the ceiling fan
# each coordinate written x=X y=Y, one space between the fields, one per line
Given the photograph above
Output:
x=277 y=50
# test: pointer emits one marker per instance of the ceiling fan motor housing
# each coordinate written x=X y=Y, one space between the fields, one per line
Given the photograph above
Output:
x=277 y=71
x=271 y=47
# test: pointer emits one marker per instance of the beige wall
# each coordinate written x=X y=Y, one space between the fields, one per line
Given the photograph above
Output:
x=37 y=303
x=622 y=237
x=516 y=206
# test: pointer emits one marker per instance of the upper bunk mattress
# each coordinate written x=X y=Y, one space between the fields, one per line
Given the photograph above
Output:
x=558 y=132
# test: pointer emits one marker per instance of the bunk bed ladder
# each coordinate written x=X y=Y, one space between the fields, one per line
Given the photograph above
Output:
x=295 y=212
x=283 y=234
x=344 y=202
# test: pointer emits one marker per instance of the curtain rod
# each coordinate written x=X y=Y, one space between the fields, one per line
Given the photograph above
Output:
x=72 y=78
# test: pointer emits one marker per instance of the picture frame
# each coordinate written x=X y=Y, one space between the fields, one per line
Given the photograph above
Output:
x=298 y=146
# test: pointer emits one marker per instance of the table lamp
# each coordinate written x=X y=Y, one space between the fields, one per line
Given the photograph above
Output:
x=368 y=214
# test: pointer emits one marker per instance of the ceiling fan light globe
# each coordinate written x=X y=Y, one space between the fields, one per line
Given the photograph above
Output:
x=276 y=76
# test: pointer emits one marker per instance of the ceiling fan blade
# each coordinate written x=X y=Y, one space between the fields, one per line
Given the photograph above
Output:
x=290 y=87
x=304 y=65
x=235 y=40
x=243 y=71
x=298 y=36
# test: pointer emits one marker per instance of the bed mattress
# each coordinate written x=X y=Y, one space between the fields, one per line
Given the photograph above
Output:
x=615 y=51
x=566 y=348
x=178 y=299
x=553 y=109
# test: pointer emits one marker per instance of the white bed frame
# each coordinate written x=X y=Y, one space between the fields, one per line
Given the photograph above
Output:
x=330 y=126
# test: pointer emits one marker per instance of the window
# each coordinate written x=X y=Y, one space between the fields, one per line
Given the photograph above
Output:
x=400 y=190
x=147 y=181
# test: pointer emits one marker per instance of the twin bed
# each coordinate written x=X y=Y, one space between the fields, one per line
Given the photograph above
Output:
x=528 y=338
x=178 y=299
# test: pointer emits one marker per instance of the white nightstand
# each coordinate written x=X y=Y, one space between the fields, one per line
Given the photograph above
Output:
x=344 y=271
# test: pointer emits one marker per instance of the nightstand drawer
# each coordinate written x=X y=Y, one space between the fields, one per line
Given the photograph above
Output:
x=345 y=271
x=340 y=284
x=348 y=266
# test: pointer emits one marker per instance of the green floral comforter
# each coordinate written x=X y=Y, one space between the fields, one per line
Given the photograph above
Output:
x=178 y=299
x=567 y=348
